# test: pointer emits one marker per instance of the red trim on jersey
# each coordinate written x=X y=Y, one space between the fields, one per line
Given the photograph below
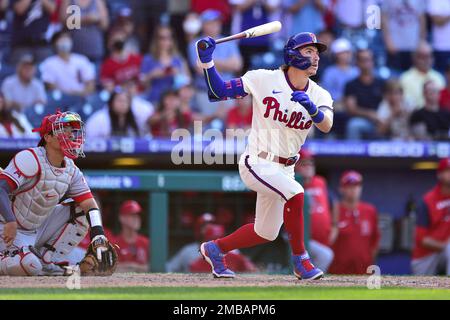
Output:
x=11 y=177
x=11 y=183
x=292 y=86
x=82 y=197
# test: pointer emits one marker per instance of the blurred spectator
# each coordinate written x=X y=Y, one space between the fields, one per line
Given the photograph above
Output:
x=326 y=58
x=430 y=122
x=141 y=108
x=133 y=247
x=307 y=15
x=121 y=66
x=439 y=11
x=336 y=76
x=227 y=60
x=394 y=112
x=4 y=6
x=413 y=80
x=89 y=39
x=56 y=23
x=13 y=124
x=186 y=92
x=248 y=14
x=71 y=73
x=444 y=98
x=240 y=116
x=403 y=26
x=23 y=89
x=169 y=116
x=350 y=15
x=124 y=22
x=115 y=119
x=234 y=259
x=223 y=6
x=357 y=243
x=431 y=254
x=30 y=24
x=192 y=25
x=362 y=97
x=204 y=228
x=161 y=64
x=324 y=229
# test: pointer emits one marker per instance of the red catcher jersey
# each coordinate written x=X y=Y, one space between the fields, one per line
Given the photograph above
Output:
x=136 y=252
x=357 y=240
x=320 y=209
x=433 y=220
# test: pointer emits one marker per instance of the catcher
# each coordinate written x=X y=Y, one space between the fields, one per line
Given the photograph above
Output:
x=46 y=206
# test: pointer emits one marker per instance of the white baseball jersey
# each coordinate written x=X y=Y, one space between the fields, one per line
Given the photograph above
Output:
x=39 y=186
x=279 y=126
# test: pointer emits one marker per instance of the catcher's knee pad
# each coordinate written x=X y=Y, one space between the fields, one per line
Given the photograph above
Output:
x=69 y=237
x=22 y=262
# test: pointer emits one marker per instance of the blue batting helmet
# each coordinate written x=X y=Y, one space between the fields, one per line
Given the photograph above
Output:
x=293 y=57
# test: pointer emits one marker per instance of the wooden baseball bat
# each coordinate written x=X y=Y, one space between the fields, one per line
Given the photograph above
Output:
x=257 y=31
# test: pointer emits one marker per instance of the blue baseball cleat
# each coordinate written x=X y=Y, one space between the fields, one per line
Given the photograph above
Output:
x=216 y=259
x=304 y=269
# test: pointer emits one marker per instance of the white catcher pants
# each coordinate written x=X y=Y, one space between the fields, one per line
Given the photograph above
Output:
x=46 y=233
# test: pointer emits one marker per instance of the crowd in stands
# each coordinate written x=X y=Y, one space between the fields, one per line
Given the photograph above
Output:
x=387 y=83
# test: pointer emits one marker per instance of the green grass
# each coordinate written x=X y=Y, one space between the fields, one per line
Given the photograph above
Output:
x=224 y=293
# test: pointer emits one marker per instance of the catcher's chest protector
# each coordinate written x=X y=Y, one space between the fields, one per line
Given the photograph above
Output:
x=32 y=204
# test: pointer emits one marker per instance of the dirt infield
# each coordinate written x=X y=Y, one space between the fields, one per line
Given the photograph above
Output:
x=206 y=280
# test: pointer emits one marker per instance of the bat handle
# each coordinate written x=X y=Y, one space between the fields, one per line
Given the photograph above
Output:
x=202 y=44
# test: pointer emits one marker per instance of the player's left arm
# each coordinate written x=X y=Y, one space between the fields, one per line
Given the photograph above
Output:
x=81 y=193
x=322 y=113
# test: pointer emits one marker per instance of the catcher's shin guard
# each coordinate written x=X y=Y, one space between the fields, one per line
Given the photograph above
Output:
x=20 y=262
x=66 y=239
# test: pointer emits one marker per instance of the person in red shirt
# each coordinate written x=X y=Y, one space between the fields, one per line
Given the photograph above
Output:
x=323 y=221
x=222 y=6
x=240 y=116
x=234 y=259
x=431 y=253
x=121 y=66
x=169 y=116
x=444 y=97
x=134 y=248
x=356 y=245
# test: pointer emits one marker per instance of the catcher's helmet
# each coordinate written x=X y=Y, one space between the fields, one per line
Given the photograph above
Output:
x=293 y=57
x=68 y=128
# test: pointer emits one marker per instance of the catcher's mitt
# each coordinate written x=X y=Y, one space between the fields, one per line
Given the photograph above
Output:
x=100 y=258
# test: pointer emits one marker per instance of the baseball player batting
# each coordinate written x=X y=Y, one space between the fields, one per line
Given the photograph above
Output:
x=37 y=231
x=286 y=103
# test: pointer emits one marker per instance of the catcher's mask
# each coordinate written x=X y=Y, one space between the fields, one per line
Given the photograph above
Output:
x=68 y=128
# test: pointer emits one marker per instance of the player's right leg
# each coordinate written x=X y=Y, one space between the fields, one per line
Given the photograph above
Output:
x=18 y=260
x=275 y=180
